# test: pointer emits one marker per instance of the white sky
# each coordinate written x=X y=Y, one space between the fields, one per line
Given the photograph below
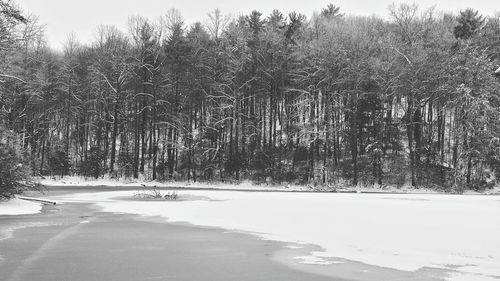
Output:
x=81 y=17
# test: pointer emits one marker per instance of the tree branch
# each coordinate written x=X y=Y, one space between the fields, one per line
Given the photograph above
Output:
x=12 y=77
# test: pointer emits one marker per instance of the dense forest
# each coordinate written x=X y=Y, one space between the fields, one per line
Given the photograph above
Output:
x=327 y=100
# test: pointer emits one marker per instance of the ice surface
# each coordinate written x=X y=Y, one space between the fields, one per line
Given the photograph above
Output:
x=459 y=233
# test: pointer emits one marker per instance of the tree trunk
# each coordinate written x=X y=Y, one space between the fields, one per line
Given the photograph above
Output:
x=113 y=139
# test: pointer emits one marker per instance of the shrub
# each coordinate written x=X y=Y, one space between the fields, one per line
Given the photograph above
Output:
x=126 y=165
x=92 y=165
x=14 y=171
x=155 y=193
x=59 y=162
x=235 y=163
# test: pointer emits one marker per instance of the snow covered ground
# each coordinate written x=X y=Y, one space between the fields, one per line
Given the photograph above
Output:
x=17 y=206
x=401 y=231
x=244 y=185
x=91 y=182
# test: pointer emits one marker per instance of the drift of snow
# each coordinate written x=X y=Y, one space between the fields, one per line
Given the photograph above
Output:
x=405 y=232
x=77 y=181
x=17 y=206
x=315 y=260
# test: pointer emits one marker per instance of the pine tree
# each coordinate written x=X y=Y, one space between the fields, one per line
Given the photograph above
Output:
x=15 y=174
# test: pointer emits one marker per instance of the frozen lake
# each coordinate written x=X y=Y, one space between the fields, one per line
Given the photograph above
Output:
x=456 y=233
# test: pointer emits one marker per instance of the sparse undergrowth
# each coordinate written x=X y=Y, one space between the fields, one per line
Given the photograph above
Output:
x=156 y=194
x=14 y=172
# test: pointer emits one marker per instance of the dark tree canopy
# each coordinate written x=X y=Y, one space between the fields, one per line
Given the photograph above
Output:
x=331 y=11
x=469 y=23
x=327 y=101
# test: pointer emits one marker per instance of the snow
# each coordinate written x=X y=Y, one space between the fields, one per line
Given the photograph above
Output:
x=76 y=181
x=17 y=206
x=110 y=182
x=458 y=233
x=469 y=277
x=315 y=260
x=293 y=247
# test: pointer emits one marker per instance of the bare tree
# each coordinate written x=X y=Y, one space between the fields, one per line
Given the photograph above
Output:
x=216 y=23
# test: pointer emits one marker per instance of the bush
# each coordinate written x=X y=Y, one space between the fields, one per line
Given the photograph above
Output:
x=155 y=194
x=14 y=171
x=92 y=165
x=301 y=154
x=59 y=162
x=260 y=164
x=126 y=165
x=235 y=163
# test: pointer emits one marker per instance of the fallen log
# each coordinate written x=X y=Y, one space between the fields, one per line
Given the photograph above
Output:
x=43 y=201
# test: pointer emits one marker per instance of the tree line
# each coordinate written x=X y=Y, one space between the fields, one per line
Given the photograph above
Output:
x=328 y=100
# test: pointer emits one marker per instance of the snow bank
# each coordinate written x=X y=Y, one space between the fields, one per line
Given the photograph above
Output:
x=81 y=181
x=70 y=181
x=406 y=232
x=315 y=260
x=91 y=182
x=19 y=207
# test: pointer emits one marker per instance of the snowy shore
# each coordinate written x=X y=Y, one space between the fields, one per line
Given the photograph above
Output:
x=75 y=181
x=17 y=206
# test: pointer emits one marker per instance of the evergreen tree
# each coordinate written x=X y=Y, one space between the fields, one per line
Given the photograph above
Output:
x=15 y=174
x=469 y=23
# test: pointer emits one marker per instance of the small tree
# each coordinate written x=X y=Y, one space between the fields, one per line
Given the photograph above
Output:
x=126 y=165
x=14 y=173
x=469 y=23
x=92 y=165
x=59 y=163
